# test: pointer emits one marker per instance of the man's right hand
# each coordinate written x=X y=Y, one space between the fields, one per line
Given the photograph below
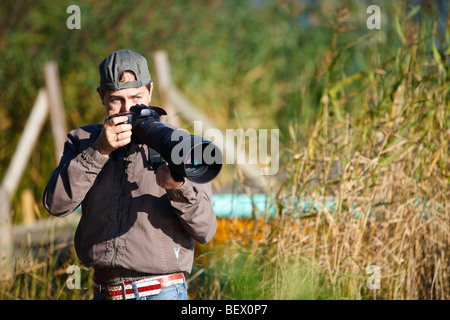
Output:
x=113 y=136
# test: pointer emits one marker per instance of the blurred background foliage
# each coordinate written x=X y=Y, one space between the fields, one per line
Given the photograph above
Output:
x=250 y=64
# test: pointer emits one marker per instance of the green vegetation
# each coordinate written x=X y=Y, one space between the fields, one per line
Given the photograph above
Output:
x=363 y=116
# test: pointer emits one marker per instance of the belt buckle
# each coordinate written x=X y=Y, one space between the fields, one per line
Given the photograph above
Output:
x=122 y=286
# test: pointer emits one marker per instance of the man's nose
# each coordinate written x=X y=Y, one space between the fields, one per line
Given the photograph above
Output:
x=126 y=105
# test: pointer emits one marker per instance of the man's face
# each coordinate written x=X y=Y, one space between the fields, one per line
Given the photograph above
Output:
x=123 y=100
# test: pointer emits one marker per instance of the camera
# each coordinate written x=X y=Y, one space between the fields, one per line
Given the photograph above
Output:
x=187 y=155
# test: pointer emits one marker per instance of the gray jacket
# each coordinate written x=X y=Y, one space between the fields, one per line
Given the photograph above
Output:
x=129 y=227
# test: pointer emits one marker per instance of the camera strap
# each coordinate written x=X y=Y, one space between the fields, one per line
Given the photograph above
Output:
x=155 y=159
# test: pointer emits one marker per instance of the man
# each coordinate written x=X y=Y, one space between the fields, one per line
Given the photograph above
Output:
x=138 y=226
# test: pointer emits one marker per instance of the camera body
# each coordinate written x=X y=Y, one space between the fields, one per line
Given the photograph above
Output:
x=187 y=155
x=139 y=112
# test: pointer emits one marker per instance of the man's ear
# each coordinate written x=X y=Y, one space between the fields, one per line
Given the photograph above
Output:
x=101 y=93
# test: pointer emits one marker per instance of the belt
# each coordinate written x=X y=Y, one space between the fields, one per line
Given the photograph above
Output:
x=145 y=287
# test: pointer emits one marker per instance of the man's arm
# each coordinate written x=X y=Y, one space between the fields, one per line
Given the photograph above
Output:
x=74 y=176
x=192 y=202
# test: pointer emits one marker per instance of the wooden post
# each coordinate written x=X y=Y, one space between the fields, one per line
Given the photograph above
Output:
x=251 y=172
x=6 y=243
x=164 y=84
x=57 y=118
x=27 y=141
x=177 y=103
x=28 y=202
x=47 y=100
x=12 y=178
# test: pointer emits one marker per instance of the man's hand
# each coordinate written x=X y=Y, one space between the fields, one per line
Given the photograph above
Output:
x=113 y=136
x=164 y=178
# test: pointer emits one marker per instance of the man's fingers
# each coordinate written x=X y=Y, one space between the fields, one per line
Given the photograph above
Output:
x=126 y=127
x=123 y=135
x=115 y=134
x=160 y=174
x=112 y=122
x=164 y=178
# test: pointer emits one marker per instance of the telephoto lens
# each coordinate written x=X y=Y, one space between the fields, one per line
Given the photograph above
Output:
x=190 y=156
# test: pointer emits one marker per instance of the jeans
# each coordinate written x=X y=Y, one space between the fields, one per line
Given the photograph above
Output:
x=175 y=292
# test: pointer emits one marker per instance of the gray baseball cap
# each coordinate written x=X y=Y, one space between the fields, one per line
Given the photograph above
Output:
x=116 y=63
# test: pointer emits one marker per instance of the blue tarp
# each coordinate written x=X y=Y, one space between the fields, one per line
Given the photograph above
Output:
x=242 y=206
x=229 y=205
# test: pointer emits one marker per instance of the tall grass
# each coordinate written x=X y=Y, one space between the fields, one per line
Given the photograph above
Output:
x=42 y=273
x=387 y=169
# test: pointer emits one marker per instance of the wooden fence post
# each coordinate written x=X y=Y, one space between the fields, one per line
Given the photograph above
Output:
x=183 y=108
x=6 y=243
x=164 y=84
x=47 y=100
x=12 y=177
x=57 y=118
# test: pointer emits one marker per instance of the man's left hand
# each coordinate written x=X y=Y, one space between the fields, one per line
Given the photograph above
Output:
x=164 y=178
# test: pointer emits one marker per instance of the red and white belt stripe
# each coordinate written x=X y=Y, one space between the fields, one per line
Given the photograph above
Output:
x=145 y=287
